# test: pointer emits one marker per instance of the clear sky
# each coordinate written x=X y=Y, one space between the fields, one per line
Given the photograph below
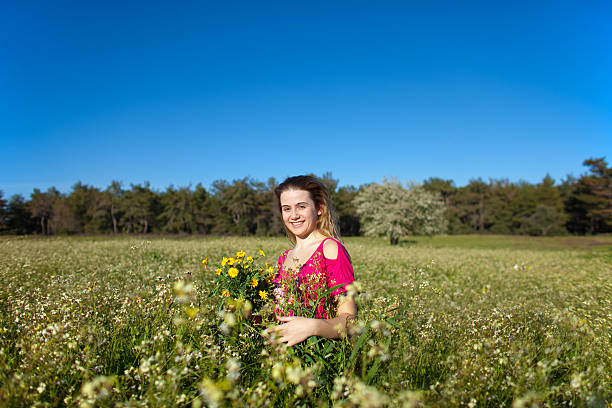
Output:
x=179 y=93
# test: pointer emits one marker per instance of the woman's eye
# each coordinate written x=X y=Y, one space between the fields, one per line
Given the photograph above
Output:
x=302 y=206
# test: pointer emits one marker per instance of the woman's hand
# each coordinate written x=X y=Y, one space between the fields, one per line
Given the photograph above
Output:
x=294 y=329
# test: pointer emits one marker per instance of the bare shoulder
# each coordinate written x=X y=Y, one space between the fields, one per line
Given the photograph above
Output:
x=330 y=249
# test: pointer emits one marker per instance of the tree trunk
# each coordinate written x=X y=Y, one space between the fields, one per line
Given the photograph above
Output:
x=114 y=219
x=481 y=215
x=42 y=225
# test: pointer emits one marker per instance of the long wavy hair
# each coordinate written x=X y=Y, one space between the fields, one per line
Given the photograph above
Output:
x=326 y=223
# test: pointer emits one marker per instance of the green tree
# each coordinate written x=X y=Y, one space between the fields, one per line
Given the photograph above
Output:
x=269 y=211
x=18 y=217
x=546 y=220
x=390 y=210
x=236 y=206
x=346 y=211
x=447 y=191
x=204 y=217
x=89 y=207
x=589 y=206
x=502 y=194
x=140 y=207
x=41 y=207
x=523 y=206
x=112 y=199
x=548 y=217
x=472 y=206
x=267 y=219
x=329 y=182
x=3 y=213
x=63 y=219
x=178 y=214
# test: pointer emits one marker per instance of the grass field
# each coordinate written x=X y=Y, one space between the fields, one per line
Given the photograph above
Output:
x=445 y=321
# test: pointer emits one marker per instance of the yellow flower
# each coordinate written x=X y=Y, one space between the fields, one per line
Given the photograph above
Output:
x=204 y=262
x=249 y=259
x=230 y=261
x=191 y=311
x=240 y=254
x=238 y=261
x=225 y=293
x=270 y=269
x=263 y=294
x=262 y=253
x=232 y=272
x=224 y=261
x=254 y=282
x=218 y=271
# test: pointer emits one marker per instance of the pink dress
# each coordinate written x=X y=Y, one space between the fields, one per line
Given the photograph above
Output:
x=313 y=278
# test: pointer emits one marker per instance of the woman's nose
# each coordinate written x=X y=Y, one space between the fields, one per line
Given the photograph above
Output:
x=294 y=213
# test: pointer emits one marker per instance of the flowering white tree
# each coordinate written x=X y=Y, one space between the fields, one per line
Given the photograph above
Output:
x=391 y=210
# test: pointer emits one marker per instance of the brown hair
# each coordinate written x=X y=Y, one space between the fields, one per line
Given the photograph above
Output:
x=326 y=224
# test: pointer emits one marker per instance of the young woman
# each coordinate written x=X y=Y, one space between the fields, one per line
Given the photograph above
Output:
x=317 y=258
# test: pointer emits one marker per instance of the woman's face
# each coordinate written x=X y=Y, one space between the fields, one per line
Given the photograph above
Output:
x=299 y=212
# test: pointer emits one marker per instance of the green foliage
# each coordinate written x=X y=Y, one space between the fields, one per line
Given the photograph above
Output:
x=18 y=218
x=546 y=220
x=179 y=213
x=247 y=207
x=590 y=203
x=346 y=211
x=390 y=210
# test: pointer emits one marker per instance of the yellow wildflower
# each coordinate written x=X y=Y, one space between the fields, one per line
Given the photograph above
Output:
x=249 y=259
x=204 y=262
x=238 y=261
x=262 y=253
x=254 y=282
x=224 y=261
x=191 y=311
x=218 y=271
x=232 y=272
x=240 y=254
x=270 y=269
x=225 y=293
x=263 y=294
x=230 y=261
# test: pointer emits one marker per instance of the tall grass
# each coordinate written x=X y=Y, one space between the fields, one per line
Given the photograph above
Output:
x=442 y=322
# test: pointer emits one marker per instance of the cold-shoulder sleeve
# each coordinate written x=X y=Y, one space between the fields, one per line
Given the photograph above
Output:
x=339 y=270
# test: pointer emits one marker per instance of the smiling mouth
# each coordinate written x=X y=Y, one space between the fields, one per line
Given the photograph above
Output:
x=297 y=224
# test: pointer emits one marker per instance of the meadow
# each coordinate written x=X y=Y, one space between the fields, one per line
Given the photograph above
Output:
x=476 y=321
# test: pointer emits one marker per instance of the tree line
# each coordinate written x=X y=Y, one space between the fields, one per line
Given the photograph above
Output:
x=247 y=207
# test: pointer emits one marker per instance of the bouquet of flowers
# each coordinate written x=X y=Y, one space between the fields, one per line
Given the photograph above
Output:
x=307 y=295
x=244 y=277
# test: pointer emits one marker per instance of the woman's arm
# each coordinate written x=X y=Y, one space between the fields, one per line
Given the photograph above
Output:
x=296 y=329
x=333 y=328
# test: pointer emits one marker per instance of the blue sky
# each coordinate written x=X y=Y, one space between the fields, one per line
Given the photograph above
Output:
x=194 y=92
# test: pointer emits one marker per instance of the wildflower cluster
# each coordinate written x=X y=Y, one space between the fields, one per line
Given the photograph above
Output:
x=244 y=277
x=307 y=295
